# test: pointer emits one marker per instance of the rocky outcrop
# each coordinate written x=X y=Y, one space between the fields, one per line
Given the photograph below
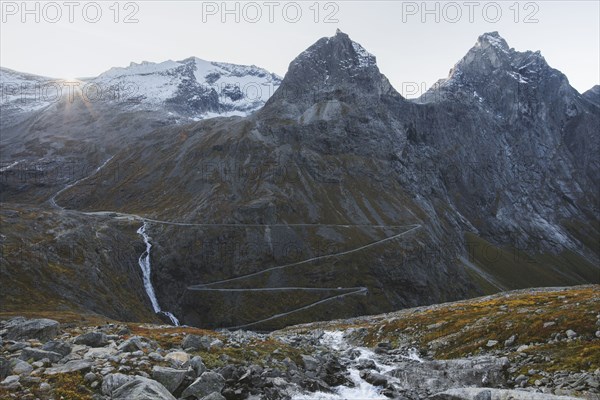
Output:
x=21 y=329
x=143 y=389
x=495 y=394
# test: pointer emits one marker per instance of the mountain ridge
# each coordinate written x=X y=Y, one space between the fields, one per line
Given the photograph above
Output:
x=334 y=170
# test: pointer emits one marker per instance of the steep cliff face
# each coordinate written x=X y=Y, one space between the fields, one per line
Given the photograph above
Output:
x=522 y=154
x=340 y=197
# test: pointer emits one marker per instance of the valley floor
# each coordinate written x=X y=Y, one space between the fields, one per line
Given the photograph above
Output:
x=527 y=344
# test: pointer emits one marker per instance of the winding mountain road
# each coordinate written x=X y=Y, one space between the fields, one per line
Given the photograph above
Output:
x=206 y=286
x=352 y=290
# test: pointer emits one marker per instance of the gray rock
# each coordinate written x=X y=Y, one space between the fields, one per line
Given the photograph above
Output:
x=197 y=365
x=34 y=354
x=20 y=328
x=365 y=363
x=214 y=396
x=140 y=388
x=494 y=394
x=154 y=356
x=17 y=346
x=132 y=344
x=21 y=367
x=5 y=368
x=521 y=378
x=571 y=334
x=170 y=378
x=510 y=341
x=374 y=378
x=439 y=375
x=57 y=346
x=112 y=382
x=197 y=342
x=491 y=343
x=70 y=366
x=310 y=363
x=90 y=377
x=178 y=358
x=92 y=339
x=210 y=382
x=10 y=380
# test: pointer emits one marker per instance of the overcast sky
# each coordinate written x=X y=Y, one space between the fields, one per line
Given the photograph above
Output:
x=410 y=45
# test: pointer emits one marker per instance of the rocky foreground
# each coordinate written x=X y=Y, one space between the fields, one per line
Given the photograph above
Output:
x=534 y=344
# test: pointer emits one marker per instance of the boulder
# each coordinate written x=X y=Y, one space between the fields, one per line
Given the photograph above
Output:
x=70 y=366
x=214 y=396
x=140 y=388
x=178 y=358
x=439 y=375
x=11 y=380
x=92 y=339
x=197 y=365
x=29 y=353
x=494 y=394
x=101 y=352
x=210 y=382
x=170 y=378
x=132 y=344
x=5 y=368
x=57 y=346
x=20 y=328
x=310 y=363
x=197 y=342
x=374 y=378
x=20 y=367
x=112 y=382
x=510 y=341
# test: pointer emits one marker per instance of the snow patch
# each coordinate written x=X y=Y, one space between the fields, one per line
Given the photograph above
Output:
x=365 y=59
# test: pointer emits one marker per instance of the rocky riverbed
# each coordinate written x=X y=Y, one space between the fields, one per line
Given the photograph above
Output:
x=391 y=356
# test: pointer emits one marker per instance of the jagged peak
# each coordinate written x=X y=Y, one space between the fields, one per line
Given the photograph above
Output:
x=492 y=63
x=339 y=47
x=492 y=39
x=334 y=67
x=491 y=54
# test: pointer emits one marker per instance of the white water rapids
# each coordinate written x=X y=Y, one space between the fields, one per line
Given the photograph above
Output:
x=144 y=262
x=362 y=390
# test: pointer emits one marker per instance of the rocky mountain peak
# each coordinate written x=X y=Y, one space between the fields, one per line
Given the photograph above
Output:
x=334 y=67
x=493 y=71
x=494 y=40
x=334 y=54
x=489 y=54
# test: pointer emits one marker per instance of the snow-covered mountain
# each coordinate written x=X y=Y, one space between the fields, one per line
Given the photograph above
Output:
x=22 y=93
x=190 y=89
x=193 y=88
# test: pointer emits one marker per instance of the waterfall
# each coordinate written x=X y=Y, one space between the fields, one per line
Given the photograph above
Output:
x=144 y=262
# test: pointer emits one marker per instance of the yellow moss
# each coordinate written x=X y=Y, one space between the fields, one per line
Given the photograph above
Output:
x=70 y=387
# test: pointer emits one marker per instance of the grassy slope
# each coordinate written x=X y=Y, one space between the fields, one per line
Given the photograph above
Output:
x=463 y=328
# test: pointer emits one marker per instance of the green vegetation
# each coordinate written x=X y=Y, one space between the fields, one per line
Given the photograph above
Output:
x=463 y=328
x=515 y=269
